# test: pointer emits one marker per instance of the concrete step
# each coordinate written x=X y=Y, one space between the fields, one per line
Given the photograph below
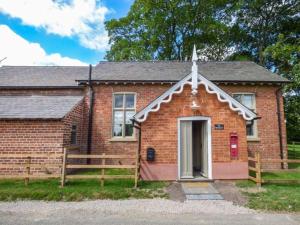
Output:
x=204 y=197
x=200 y=191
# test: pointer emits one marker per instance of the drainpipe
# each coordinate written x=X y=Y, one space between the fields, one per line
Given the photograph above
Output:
x=278 y=97
x=138 y=126
x=91 y=109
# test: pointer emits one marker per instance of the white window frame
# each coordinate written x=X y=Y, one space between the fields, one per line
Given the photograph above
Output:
x=255 y=130
x=123 y=109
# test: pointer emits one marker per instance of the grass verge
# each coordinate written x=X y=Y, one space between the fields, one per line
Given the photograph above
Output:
x=272 y=197
x=78 y=190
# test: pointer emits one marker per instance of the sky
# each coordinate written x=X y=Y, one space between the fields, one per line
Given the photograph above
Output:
x=56 y=32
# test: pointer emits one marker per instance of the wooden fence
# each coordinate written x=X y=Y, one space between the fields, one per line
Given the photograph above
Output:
x=258 y=163
x=25 y=162
x=105 y=163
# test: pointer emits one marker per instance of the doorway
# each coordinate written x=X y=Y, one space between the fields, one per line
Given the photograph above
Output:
x=194 y=148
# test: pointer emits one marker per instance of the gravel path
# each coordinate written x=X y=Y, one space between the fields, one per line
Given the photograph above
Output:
x=161 y=206
x=134 y=212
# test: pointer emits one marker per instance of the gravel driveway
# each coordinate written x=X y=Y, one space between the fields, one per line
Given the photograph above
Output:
x=155 y=211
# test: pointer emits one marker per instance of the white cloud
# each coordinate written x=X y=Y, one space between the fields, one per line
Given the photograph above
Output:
x=83 y=19
x=22 y=52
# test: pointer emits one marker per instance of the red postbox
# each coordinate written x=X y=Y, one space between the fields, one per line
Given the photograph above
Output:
x=234 y=148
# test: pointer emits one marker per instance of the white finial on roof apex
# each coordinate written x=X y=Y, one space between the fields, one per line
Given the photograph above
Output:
x=194 y=57
x=194 y=72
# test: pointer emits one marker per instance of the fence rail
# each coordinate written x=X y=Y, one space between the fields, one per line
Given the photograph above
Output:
x=26 y=162
x=103 y=165
x=258 y=170
x=28 y=165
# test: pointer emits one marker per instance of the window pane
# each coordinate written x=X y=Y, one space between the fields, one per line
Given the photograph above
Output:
x=238 y=98
x=128 y=125
x=118 y=121
x=250 y=130
x=119 y=101
x=248 y=101
x=129 y=100
x=74 y=135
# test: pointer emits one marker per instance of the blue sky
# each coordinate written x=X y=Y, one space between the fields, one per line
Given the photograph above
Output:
x=59 y=32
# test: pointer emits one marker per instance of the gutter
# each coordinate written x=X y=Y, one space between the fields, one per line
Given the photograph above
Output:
x=83 y=82
x=278 y=96
x=38 y=87
x=91 y=109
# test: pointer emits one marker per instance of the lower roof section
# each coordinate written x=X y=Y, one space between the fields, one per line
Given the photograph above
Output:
x=37 y=107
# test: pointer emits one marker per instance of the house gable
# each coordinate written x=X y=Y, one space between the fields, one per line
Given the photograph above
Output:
x=210 y=87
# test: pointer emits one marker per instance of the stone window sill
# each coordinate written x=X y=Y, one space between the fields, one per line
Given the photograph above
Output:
x=253 y=139
x=122 y=140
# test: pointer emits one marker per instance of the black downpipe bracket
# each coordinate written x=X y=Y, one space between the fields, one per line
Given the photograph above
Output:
x=91 y=109
x=278 y=96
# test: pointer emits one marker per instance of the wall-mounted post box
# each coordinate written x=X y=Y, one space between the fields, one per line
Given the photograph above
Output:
x=234 y=148
x=150 y=154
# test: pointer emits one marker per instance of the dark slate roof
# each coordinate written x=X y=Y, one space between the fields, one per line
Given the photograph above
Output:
x=175 y=71
x=66 y=76
x=42 y=76
x=36 y=107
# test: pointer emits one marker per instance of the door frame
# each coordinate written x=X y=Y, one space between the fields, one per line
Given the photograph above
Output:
x=209 y=151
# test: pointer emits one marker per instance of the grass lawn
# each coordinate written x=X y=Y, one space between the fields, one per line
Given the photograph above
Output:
x=275 y=197
x=294 y=153
x=77 y=190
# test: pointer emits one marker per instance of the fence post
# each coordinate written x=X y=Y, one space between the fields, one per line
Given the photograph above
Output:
x=258 y=168
x=28 y=161
x=102 y=170
x=63 y=170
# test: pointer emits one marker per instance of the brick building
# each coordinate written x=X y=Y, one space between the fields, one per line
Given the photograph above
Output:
x=196 y=119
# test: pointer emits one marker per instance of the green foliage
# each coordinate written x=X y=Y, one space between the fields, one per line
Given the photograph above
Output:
x=292 y=113
x=167 y=30
x=259 y=22
x=285 y=57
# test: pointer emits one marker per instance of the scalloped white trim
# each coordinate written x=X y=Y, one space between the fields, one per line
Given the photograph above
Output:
x=210 y=87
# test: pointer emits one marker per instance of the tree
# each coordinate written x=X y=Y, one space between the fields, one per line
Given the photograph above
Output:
x=285 y=58
x=167 y=30
x=259 y=22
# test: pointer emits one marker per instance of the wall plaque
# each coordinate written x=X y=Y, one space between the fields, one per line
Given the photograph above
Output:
x=219 y=126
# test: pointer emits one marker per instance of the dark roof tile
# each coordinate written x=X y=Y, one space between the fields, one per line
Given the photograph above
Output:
x=36 y=107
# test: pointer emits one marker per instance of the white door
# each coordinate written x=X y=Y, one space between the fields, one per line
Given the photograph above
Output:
x=204 y=152
x=186 y=150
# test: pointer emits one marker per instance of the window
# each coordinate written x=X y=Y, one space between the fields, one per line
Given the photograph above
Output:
x=123 y=111
x=74 y=135
x=248 y=100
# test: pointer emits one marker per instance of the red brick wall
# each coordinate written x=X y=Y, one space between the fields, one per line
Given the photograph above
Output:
x=160 y=130
x=25 y=136
x=102 y=116
x=39 y=136
x=267 y=126
x=167 y=147
x=268 y=141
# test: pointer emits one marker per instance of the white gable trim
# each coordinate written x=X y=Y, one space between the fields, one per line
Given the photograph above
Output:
x=210 y=87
